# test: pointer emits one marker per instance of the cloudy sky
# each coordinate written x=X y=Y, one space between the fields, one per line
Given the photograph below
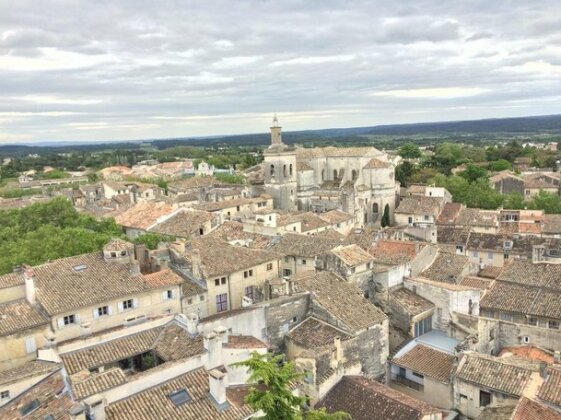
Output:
x=134 y=69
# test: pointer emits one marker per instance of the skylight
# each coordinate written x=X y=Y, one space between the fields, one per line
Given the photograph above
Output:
x=28 y=408
x=81 y=267
x=180 y=396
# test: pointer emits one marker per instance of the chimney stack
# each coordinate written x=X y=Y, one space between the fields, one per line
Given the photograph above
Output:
x=135 y=268
x=543 y=369
x=192 y=322
x=29 y=278
x=213 y=346
x=96 y=406
x=222 y=333
x=217 y=384
x=557 y=356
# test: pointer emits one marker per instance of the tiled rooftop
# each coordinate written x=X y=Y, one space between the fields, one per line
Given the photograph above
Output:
x=361 y=397
x=342 y=299
x=352 y=255
x=155 y=403
x=143 y=215
x=428 y=362
x=98 y=382
x=183 y=224
x=313 y=333
x=550 y=391
x=493 y=372
x=27 y=370
x=446 y=267
x=18 y=315
x=527 y=409
x=420 y=205
x=411 y=302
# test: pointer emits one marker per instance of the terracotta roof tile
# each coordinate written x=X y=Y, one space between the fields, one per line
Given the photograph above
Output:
x=447 y=267
x=244 y=342
x=527 y=409
x=155 y=403
x=184 y=224
x=304 y=245
x=493 y=372
x=411 y=302
x=27 y=370
x=420 y=205
x=98 y=382
x=341 y=299
x=313 y=333
x=19 y=315
x=165 y=277
x=428 y=362
x=449 y=213
x=527 y=273
x=361 y=397
x=394 y=252
x=550 y=390
x=352 y=255
x=476 y=282
x=11 y=280
x=143 y=215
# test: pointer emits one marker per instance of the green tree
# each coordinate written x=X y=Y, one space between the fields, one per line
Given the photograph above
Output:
x=274 y=396
x=501 y=165
x=403 y=173
x=386 y=216
x=409 y=151
x=151 y=240
x=473 y=173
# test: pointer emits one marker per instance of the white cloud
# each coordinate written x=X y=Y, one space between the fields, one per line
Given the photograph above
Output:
x=433 y=93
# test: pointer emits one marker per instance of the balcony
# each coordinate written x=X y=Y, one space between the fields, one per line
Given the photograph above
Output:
x=402 y=380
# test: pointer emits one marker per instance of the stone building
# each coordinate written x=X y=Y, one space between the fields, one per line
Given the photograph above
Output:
x=356 y=180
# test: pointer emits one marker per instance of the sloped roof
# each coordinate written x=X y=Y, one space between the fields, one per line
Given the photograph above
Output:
x=446 y=267
x=428 y=362
x=361 y=397
x=342 y=299
x=143 y=215
x=313 y=333
x=493 y=372
x=420 y=205
x=411 y=302
x=183 y=224
x=376 y=164
x=550 y=390
x=527 y=409
x=352 y=255
x=20 y=315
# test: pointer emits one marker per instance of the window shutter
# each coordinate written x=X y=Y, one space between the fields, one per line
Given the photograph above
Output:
x=135 y=303
x=95 y=313
x=30 y=346
x=76 y=319
x=164 y=295
x=109 y=310
x=120 y=306
x=60 y=323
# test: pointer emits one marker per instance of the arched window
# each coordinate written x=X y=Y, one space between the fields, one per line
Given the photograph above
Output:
x=334 y=174
x=272 y=171
x=290 y=169
x=284 y=170
x=375 y=208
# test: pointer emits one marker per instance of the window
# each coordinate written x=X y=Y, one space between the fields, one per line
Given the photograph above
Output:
x=294 y=319
x=217 y=282
x=554 y=325
x=189 y=301
x=202 y=297
x=418 y=375
x=475 y=253
x=127 y=304
x=532 y=321
x=410 y=220
x=505 y=317
x=114 y=255
x=491 y=334
x=269 y=266
x=272 y=171
x=427 y=217
x=222 y=302
x=463 y=397
x=179 y=397
x=525 y=339
x=484 y=398
x=30 y=345
x=489 y=255
x=286 y=259
x=169 y=294
x=247 y=274
x=439 y=314
x=103 y=310
x=303 y=261
x=4 y=395
x=290 y=169
x=249 y=292
x=423 y=326
x=402 y=372
x=69 y=319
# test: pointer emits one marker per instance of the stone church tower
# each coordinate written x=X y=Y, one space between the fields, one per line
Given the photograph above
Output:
x=280 y=170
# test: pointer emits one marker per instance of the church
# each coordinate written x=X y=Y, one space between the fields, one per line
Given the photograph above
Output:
x=356 y=180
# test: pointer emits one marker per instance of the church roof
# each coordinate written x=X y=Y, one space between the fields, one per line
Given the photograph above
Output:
x=325 y=152
x=376 y=164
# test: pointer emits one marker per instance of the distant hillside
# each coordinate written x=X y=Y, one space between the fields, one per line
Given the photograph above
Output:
x=492 y=128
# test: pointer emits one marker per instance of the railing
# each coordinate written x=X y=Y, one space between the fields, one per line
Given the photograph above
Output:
x=402 y=380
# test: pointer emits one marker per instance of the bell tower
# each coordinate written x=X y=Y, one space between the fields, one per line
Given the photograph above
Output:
x=276 y=135
x=280 y=170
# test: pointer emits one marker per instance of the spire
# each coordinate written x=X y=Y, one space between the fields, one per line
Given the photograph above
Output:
x=276 y=136
x=275 y=121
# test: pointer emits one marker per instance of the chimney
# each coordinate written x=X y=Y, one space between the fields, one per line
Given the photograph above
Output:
x=338 y=349
x=95 y=406
x=543 y=369
x=222 y=333
x=557 y=356
x=29 y=278
x=213 y=346
x=77 y=412
x=217 y=384
x=192 y=322
x=135 y=268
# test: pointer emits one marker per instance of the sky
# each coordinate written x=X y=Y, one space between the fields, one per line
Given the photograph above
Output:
x=77 y=70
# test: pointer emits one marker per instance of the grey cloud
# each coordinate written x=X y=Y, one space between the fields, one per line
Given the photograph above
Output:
x=316 y=63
